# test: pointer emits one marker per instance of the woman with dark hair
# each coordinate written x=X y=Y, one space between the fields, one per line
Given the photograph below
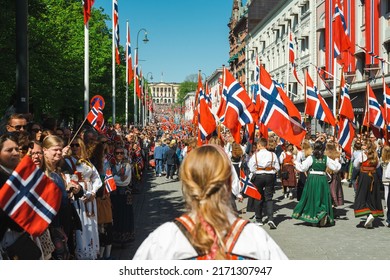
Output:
x=368 y=198
x=315 y=205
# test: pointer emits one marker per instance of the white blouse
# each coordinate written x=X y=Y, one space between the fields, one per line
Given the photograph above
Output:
x=167 y=242
x=334 y=165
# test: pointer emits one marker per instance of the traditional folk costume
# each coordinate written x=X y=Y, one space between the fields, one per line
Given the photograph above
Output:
x=315 y=203
x=368 y=198
x=170 y=242
x=87 y=239
x=288 y=174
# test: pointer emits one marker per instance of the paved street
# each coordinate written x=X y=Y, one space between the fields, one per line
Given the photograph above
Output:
x=161 y=200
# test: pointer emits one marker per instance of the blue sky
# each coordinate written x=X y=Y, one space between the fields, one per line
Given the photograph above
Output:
x=184 y=35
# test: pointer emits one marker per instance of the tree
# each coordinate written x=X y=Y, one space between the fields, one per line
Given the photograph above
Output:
x=184 y=88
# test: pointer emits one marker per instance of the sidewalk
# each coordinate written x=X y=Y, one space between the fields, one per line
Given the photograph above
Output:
x=161 y=200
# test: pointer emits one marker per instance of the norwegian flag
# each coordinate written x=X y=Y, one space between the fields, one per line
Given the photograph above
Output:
x=30 y=198
x=346 y=135
x=208 y=96
x=206 y=120
x=96 y=119
x=278 y=112
x=292 y=57
x=321 y=74
x=247 y=187
x=256 y=91
x=136 y=76
x=129 y=61
x=87 y=6
x=346 y=109
x=375 y=115
x=239 y=106
x=222 y=104
x=116 y=31
x=315 y=103
x=109 y=181
x=342 y=42
x=372 y=29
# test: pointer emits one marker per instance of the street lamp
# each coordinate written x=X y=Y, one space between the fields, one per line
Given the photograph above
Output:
x=145 y=40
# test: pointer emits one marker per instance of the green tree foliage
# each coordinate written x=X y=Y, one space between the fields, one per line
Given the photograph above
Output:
x=184 y=88
x=56 y=60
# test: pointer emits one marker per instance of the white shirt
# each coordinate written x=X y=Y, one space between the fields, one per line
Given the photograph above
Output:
x=167 y=242
x=307 y=163
x=265 y=159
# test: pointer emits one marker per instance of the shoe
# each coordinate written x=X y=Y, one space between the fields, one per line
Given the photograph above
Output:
x=324 y=221
x=285 y=195
x=387 y=224
x=290 y=196
x=368 y=223
x=259 y=223
x=271 y=225
x=344 y=181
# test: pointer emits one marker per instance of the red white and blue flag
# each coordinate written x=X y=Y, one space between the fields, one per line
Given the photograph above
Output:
x=30 y=198
x=96 y=119
x=292 y=57
x=239 y=106
x=345 y=135
x=129 y=60
x=247 y=187
x=206 y=120
x=279 y=113
x=375 y=115
x=315 y=103
x=372 y=8
x=342 y=42
x=109 y=181
x=116 y=31
x=346 y=109
x=87 y=6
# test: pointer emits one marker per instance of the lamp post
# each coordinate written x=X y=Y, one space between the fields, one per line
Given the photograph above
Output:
x=147 y=99
x=136 y=70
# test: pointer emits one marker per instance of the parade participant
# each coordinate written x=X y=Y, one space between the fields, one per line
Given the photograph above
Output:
x=288 y=177
x=368 y=199
x=66 y=221
x=85 y=174
x=336 y=189
x=209 y=230
x=264 y=165
x=158 y=158
x=301 y=156
x=121 y=198
x=385 y=159
x=171 y=159
x=315 y=205
x=357 y=150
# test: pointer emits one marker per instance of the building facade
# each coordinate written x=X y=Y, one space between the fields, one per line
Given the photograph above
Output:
x=267 y=25
x=164 y=93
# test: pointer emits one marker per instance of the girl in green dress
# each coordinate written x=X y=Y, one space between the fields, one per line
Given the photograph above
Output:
x=315 y=205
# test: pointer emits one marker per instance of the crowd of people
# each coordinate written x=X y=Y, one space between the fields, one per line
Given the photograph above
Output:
x=91 y=219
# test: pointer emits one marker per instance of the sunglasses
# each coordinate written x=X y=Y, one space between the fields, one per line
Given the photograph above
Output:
x=119 y=153
x=74 y=145
x=36 y=130
x=19 y=127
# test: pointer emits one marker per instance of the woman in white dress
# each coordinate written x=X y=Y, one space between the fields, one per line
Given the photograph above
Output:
x=210 y=229
x=87 y=239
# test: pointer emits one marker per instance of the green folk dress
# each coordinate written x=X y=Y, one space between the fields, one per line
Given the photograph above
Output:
x=316 y=201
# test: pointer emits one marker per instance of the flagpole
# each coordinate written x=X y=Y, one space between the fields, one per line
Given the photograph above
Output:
x=77 y=132
x=86 y=69
x=288 y=61
x=113 y=63
x=135 y=86
x=127 y=75
x=334 y=90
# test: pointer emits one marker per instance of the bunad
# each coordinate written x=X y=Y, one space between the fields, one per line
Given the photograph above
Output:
x=302 y=176
x=170 y=242
x=87 y=239
x=315 y=205
x=368 y=198
x=287 y=161
x=122 y=204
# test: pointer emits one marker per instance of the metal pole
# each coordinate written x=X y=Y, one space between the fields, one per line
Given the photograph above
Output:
x=22 y=73
x=113 y=64
x=127 y=75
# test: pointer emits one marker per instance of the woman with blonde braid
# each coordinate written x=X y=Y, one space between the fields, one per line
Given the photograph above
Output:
x=210 y=229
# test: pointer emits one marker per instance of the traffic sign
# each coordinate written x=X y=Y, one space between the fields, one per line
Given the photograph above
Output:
x=97 y=98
